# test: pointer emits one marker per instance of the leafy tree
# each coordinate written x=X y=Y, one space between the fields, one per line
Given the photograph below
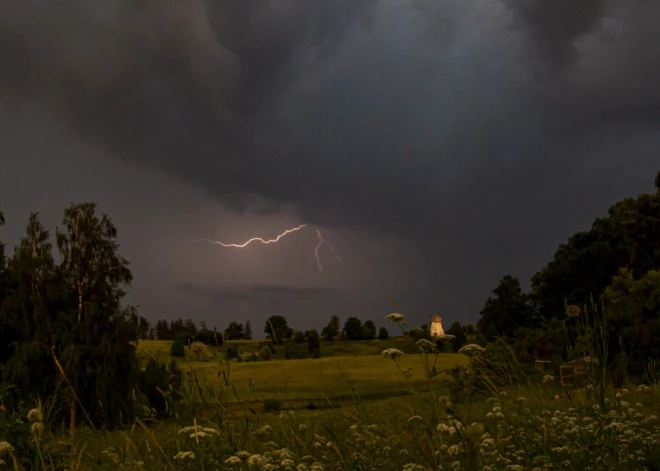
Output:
x=281 y=327
x=369 y=330
x=234 y=331
x=298 y=336
x=585 y=265
x=383 y=334
x=353 y=328
x=247 y=332
x=507 y=311
x=459 y=336
x=327 y=333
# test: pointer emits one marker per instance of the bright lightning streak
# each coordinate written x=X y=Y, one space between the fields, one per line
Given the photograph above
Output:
x=254 y=239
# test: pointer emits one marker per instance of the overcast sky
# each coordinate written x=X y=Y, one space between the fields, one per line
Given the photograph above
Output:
x=438 y=145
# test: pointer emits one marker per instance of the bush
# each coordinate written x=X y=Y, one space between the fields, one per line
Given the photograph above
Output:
x=383 y=334
x=253 y=357
x=156 y=378
x=231 y=353
x=265 y=354
x=183 y=338
x=298 y=337
x=177 y=350
x=272 y=405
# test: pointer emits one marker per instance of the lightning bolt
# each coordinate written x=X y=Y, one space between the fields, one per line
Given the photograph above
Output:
x=254 y=239
x=321 y=241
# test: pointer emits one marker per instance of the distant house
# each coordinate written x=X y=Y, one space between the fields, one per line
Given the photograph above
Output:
x=436 y=326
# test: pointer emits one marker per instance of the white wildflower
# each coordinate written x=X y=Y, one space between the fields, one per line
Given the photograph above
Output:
x=5 y=447
x=182 y=455
x=395 y=317
x=426 y=345
x=392 y=353
x=35 y=415
x=233 y=460
x=255 y=460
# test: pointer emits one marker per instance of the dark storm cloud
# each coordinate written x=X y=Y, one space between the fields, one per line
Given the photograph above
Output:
x=473 y=125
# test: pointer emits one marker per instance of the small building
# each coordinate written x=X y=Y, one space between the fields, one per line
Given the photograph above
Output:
x=574 y=372
x=436 y=326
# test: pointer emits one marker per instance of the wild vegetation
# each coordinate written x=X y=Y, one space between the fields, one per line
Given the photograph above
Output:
x=87 y=383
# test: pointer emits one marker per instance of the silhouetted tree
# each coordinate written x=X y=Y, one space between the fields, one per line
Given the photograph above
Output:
x=506 y=311
x=353 y=328
x=247 y=332
x=383 y=334
x=369 y=330
x=282 y=329
x=234 y=331
x=459 y=336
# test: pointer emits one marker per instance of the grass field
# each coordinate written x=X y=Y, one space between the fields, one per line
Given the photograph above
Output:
x=345 y=371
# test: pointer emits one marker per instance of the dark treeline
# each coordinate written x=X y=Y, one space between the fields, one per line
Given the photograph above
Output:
x=606 y=276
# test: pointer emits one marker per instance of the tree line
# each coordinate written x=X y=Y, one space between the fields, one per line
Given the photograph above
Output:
x=353 y=329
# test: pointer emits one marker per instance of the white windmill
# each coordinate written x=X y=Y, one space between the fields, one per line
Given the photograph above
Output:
x=436 y=326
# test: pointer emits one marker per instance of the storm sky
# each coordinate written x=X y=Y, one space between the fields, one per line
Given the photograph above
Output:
x=438 y=145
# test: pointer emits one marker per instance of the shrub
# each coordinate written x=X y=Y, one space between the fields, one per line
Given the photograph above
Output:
x=177 y=350
x=231 y=353
x=383 y=334
x=183 y=338
x=265 y=354
x=298 y=337
x=272 y=405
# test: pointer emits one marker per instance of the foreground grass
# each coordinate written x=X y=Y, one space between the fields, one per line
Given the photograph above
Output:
x=533 y=426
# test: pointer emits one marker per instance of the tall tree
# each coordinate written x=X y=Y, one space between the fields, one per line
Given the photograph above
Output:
x=96 y=348
x=31 y=297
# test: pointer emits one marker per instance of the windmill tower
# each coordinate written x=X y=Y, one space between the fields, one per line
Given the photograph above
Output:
x=436 y=326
